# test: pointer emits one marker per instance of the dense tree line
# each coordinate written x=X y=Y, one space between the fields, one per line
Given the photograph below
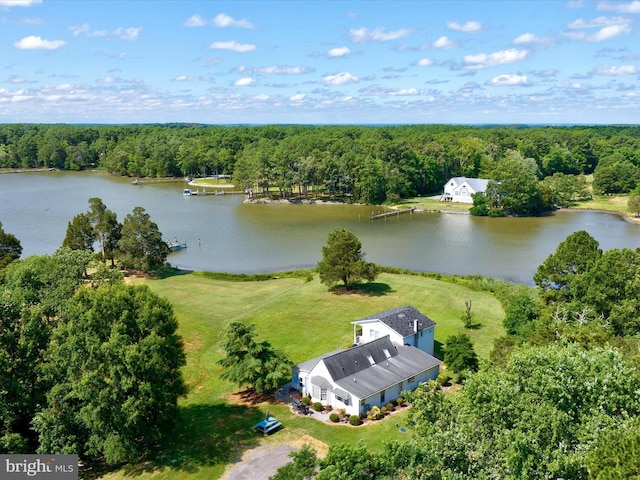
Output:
x=88 y=367
x=352 y=163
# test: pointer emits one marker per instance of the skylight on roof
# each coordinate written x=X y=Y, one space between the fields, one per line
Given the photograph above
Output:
x=371 y=360
x=386 y=353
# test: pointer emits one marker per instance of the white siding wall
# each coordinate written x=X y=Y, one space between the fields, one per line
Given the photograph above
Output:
x=376 y=329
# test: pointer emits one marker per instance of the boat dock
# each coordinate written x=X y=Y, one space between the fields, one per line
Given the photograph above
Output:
x=187 y=192
x=392 y=213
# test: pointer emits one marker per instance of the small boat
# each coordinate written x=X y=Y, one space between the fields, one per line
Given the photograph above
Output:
x=186 y=192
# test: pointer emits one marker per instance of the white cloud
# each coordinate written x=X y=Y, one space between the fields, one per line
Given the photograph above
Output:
x=297 y=97
x=224 y=20
x=338 y=52
x=503 y=57
x=262 y=97
x=233 y=46
x=19 y=3
x=610 y=70
x=343 y=78
x=608 y=27
x=130 y=33
x=363 y=35
x=244 y=82
x=469 y=27
x=284 y=70
x=633 y=7
x=33 y=42
x=531 y=39
x=405 y=92
x=424 y=62
x=509 y=80
x=124 y=33
x=187 y=78
x=194 y=21
x=444 y=43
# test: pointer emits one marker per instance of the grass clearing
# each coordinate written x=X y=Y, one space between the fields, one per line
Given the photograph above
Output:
x=304 y=319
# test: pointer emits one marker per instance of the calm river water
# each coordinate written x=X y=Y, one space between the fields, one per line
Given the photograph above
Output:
x=223 y=234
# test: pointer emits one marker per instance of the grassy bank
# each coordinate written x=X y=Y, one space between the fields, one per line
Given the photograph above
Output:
x=304 y=319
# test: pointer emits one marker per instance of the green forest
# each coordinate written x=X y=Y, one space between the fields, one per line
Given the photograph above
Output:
x=364 y=164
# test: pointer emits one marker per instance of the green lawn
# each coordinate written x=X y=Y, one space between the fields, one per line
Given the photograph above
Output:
x=304 y=319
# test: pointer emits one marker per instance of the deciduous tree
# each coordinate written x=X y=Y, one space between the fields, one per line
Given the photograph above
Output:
x=114 y=362
x=141 y=245
x=10 y=248
x=459 y=354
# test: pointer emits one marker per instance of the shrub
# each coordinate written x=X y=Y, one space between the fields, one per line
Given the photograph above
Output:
x=390 y=407
x=399 y=401
x=334 y=417
x=374 y=414
x=443 y=378
x=383 y=410
x=306 y=400
x=355 y=420
x=317 y=406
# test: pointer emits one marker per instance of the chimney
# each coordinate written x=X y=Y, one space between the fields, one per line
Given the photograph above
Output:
x=415 y=333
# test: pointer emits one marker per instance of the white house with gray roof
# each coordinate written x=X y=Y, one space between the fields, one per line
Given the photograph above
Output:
x=460 y=189
x=372 y=372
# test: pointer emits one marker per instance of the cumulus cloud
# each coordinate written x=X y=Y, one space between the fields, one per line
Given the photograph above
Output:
x=343 y=78
x=194 y=21
x=612 y=70
x=123 y=33
x=129 y=33
x=338 y=52
x=444 y=43
x=224 y=20
x=364 y=35
x=509 y=80
x=221 y=20
x=244 y=82
x=284 y=70
x=607 y=27
x=424 y=62
x=531 y=39
x=633 y=7
x=19 y=3
x=33 y=42
x=503 y=57
x=233 y=46
x=469 y=27
x=404 y=92
x=297 y=97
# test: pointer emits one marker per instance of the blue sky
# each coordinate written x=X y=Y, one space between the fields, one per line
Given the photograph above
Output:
x=335 y=62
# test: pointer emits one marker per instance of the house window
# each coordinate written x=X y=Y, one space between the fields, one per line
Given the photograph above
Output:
x=371 y=360
x=386 y=353
x=374 y=334
x=316 y=392
x=323 y=394
x=421 y=332
x=411 y=379
x=362 y=402
x=382 y=397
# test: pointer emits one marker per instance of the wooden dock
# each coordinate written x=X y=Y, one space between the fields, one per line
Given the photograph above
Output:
x=391 y=213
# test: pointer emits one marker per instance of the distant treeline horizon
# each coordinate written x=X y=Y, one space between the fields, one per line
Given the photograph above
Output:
x=363 y=163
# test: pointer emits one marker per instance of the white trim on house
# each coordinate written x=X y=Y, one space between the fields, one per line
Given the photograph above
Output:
x=461 y=189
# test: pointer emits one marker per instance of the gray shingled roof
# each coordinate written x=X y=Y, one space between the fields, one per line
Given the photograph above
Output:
x=401 y=319
x=477 y=184
x=352 y=371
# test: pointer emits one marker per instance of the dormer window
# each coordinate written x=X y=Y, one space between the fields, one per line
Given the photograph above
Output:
x=371 y=360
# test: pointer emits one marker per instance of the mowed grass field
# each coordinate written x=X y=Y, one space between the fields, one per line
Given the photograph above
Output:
x=304 y=319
